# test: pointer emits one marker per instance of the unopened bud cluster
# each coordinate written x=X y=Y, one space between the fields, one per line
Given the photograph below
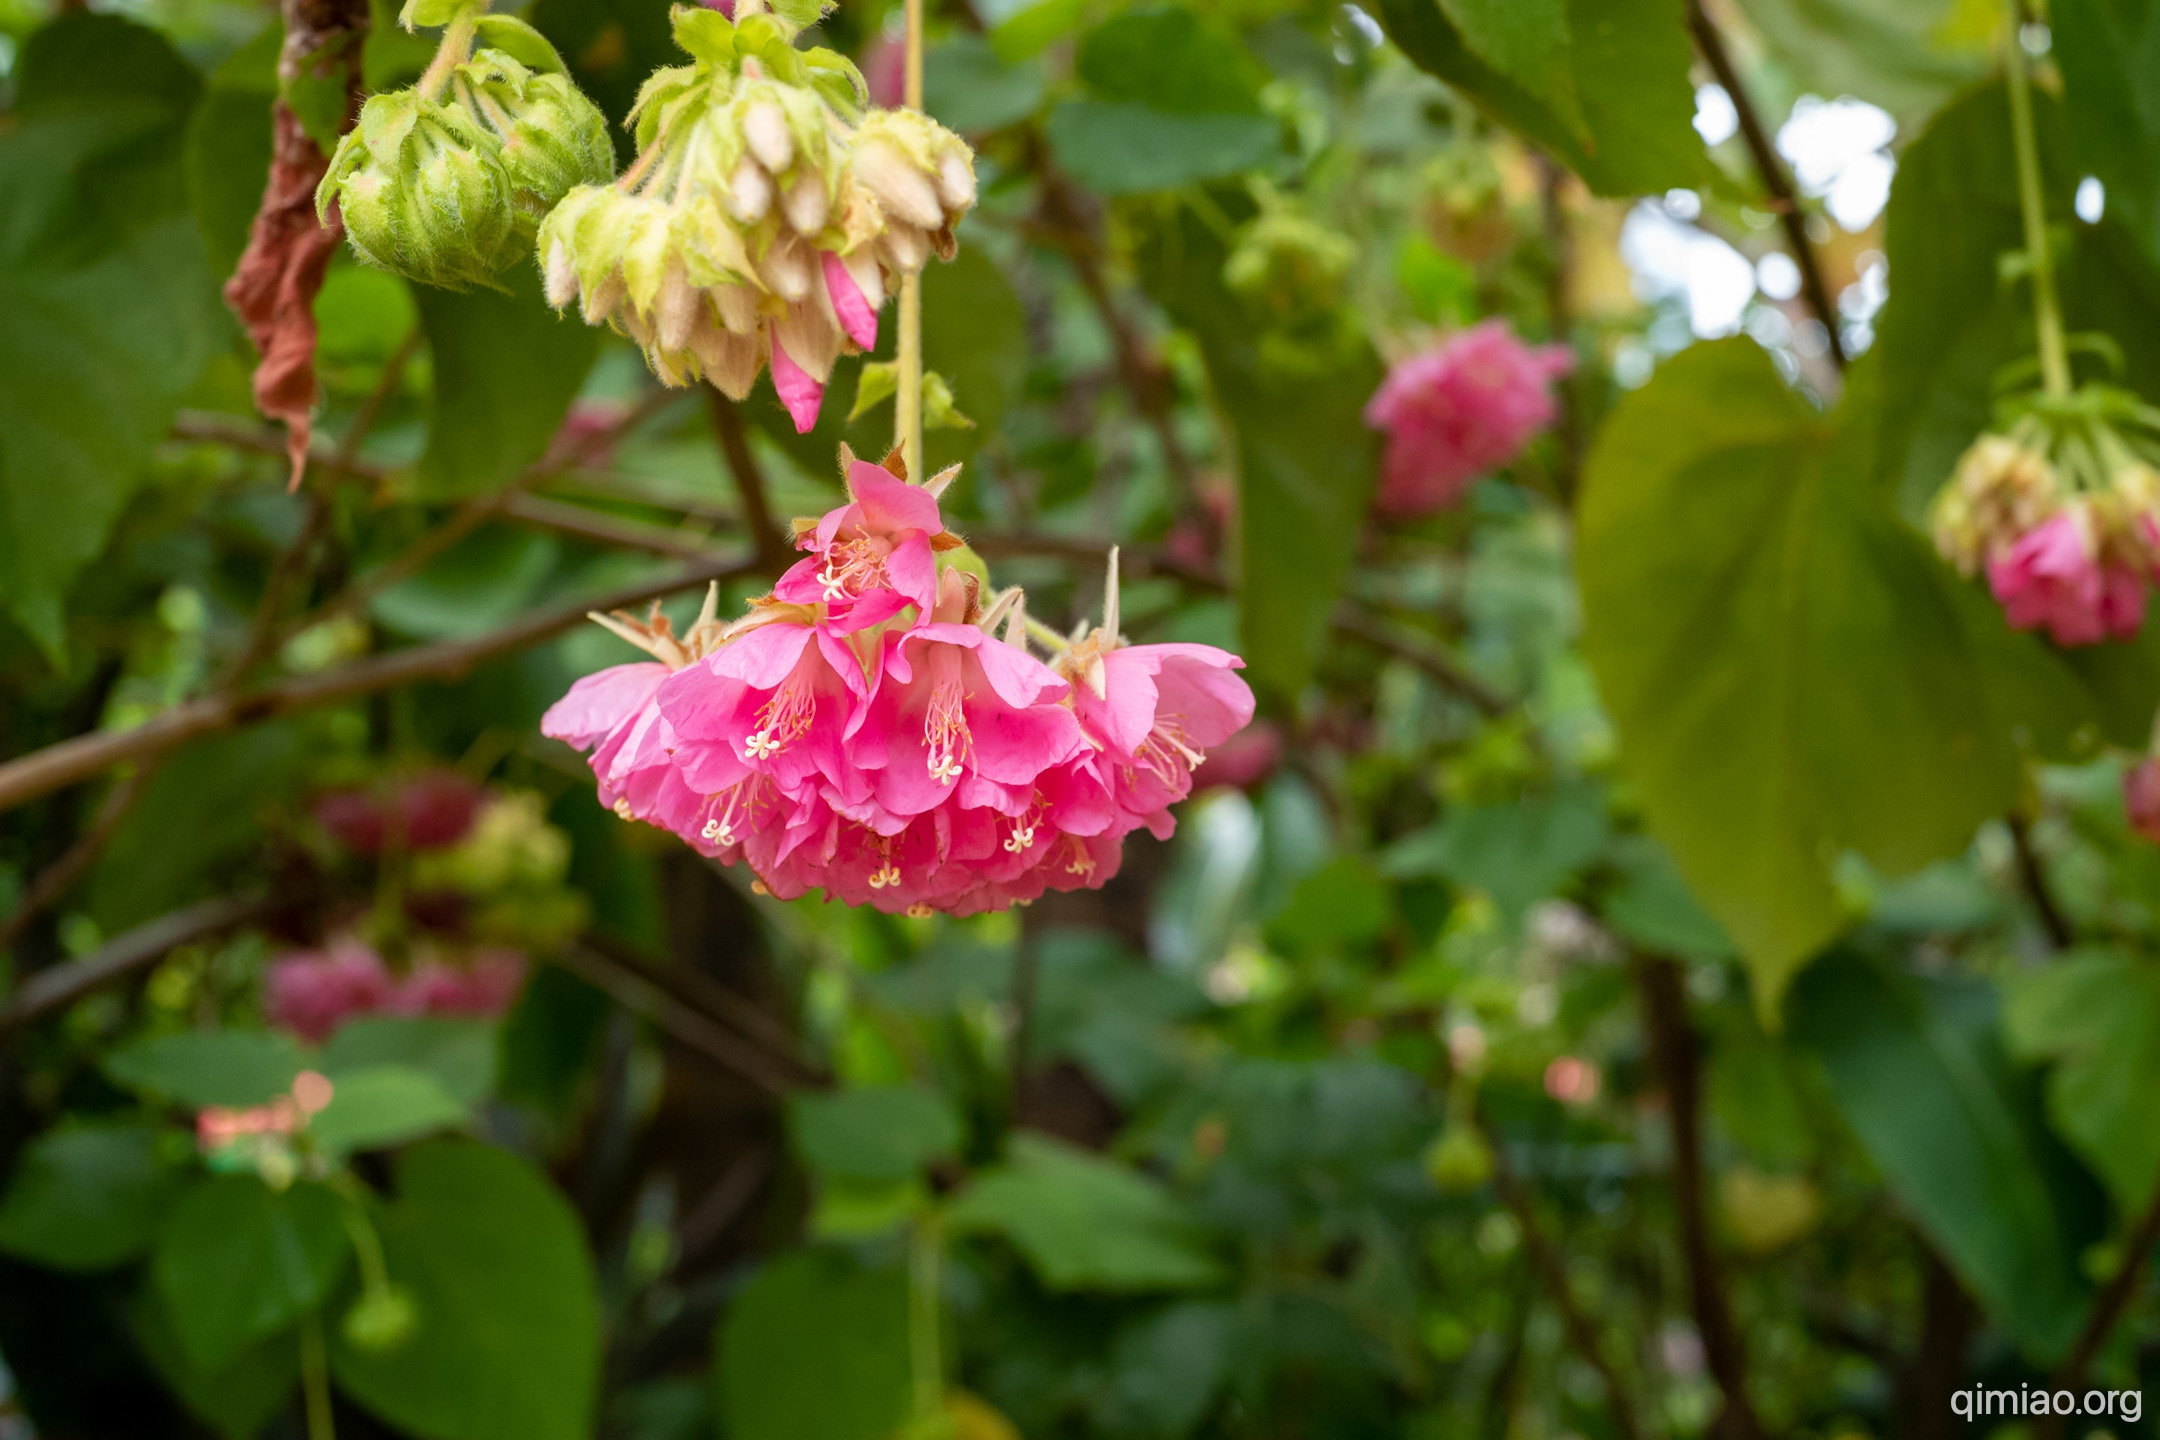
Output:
x=765 y=218
x=444 y=182
x=2063 y=517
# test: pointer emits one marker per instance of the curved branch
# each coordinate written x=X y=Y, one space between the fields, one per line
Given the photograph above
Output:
x=55 y=766
x=1783 y=199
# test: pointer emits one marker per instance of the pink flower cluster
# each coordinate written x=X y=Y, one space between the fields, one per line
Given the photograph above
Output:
x=865 y=731
x=1458 y=410
x=2061 y=576
x=312 y=992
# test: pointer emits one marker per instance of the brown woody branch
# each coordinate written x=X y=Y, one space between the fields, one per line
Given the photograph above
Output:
x=1545 y=1259
x=53 y=881
x=641 y=997
x=2032 y=875
x=1784 y=201
x=2107 y=1311
x=765 y=535
x=124 y=955
x=1677 y=1055
x=70 y=761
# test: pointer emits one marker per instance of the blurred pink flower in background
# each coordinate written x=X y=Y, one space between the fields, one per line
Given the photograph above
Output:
x=312 y=992
x=1572 y=1081
x=2054 y=577
x=1458 y=410
x=425 y=812
x=1243 y=760
x=2141 y=797
x=884 y=70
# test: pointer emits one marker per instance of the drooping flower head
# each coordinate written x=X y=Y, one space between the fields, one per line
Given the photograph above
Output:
x=2059 y=576
x=1459 y=410
x=875 y=555
x=756 y=227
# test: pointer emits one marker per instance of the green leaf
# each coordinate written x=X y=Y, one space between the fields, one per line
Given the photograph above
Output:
x=378 y=1106
x=237 y=1399
x=199 y=1068
x=815 y=1348
x=1908 y=56
x=1085 y=1222
x=1342 y=903
x=1175 y=99
x=2108 y=50
x=1918 y=1074
x=508 y=1342
x=1525 y=40
x=2097 y=1016
x=228 y=149
x=215 y=792
x=506 y=369
x=1518 y=854
x=1306 y=460
x=238 y=1261
x=481 y=582
x=1786 y=674
x=85 y=1198
x=111 y=311
x=1123 y=149
x=886 y=1132
x=969 y=89
x=974 y=334
x=1653 y=907
x=1628 y=63
x=458 y=1054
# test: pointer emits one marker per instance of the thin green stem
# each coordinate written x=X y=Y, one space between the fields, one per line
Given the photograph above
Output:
x=926 y=1361
x=315 y=1379
x=2047 y=314
x=1042 y=634
x=367 y=1247
x=455 y=50
x=908 y=415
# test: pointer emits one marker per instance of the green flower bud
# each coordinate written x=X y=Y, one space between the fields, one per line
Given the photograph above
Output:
x=551 y=137
x=1288 y=264
x=424 y=192
x=381 y=1320
x=922 y=177
x=1459 y=1161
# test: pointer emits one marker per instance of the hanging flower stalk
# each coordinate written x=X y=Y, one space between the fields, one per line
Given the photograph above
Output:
x=2059 y=504
x=766 y=218
x=876 y=728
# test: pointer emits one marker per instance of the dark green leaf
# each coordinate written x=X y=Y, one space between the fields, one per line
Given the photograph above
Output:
x=86 y=1198
x=1627 y=60
x=236 y=1400
x=1787 y=677
x=111 y=311
x=1175 y=100
x=238 y=1262
x=1525 y=40
x=815 y=1348
x=1171 y=60
x=1305 y=458
x=228 y=149
x=1918 y=1072
x=1908 y=56
x=2108 y=50
x=2097 y=1016
x=479 y=583
x=1342 y=903
x=975 y=335
x=506 y=369
x=216 y=793
x=1517 y=853
x=508 y=1345
x=1653 y=907
x=459 y=1054
x=1085 y=1222
x=377 y=1106
x=967 y=87
x=198 y=1068
x=886 y=1132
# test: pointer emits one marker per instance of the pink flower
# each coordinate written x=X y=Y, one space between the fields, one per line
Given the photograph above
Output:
x=483 y=988
x=1245 y=759
x=2141 y=798
x=778 y=700
x=872 y=557
x=425 y=812
x=960 y=716
x=856 y=311
x=884 y=71
x=1459 y=410
x=800 y=391
x=2053 y=577
x=312 y=993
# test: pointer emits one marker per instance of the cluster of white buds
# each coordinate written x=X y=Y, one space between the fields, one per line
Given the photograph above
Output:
x=766 y=217
x=444 y=182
